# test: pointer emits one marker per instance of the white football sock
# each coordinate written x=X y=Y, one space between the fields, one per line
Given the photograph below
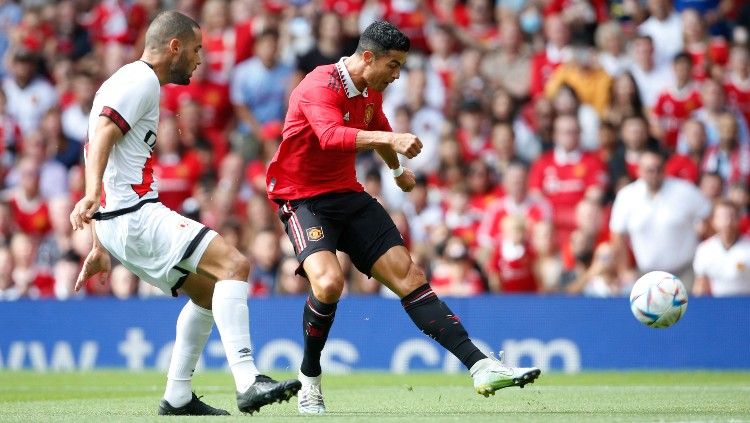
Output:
x=193 y=328
x=233 y=320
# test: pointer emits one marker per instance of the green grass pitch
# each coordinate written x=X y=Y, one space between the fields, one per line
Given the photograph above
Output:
x=112 y=396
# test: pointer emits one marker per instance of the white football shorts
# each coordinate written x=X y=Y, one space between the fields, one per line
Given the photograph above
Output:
x=157 y=244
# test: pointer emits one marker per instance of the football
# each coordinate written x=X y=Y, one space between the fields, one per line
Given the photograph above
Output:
x=658 y=299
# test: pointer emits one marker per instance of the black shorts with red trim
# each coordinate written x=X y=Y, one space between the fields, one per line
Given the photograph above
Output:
x=352 y=222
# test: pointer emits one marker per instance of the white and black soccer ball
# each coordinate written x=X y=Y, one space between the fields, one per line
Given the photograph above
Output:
x=658 y=299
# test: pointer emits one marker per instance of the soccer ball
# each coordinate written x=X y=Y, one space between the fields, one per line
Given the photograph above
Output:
x=658 y=299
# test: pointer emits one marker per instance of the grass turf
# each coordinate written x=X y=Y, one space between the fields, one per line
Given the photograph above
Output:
x=421 y=397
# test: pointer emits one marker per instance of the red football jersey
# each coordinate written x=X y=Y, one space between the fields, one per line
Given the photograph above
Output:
x=738 y=95
x=32 y=217
x=564 y=185
x=673 y=108
x=176 y=179
x=541 y=69
x=516 y=273
x=317 y=151
x=490 y=229
x=681 y=166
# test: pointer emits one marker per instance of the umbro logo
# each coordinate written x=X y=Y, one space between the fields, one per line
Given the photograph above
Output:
x=245 y=352
x=346 y=117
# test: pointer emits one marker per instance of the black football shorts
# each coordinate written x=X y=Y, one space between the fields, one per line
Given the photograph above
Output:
x=352 y=222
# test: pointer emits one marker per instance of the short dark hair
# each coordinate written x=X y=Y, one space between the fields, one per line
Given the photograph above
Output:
x=382 y=36
x=683 y=56
x=167 y=25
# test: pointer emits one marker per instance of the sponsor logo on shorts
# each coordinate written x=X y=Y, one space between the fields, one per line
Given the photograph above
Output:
x=315 y=233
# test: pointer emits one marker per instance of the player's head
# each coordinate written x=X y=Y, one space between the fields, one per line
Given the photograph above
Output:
x=179 y=38
x=726 y=217
x=383 y=48
x=651 y=168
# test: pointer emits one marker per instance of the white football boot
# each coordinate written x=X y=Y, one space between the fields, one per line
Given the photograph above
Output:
x=310 y=396
x=490 y=375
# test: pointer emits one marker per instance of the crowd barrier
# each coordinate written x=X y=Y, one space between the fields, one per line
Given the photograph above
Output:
x=567 y=334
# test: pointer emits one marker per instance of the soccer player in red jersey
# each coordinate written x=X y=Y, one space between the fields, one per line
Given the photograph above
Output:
x=333 y=113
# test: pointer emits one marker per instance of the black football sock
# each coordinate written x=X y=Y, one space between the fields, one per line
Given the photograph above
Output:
x=317 y=320
x=438 y=322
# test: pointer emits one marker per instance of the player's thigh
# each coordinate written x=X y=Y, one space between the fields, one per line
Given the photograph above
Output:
x=309 y=232
x=396 y=270
x=200 y=289
x=324 y=272
x=368 y=235
x=222 y=261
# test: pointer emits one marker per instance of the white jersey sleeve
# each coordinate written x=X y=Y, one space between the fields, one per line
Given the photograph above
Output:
x=130 y=98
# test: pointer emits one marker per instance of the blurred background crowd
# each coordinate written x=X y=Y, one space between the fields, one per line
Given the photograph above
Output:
x=569 y=145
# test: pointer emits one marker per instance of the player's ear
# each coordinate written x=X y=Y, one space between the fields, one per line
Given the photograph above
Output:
x=368 y=56
x=174 y=45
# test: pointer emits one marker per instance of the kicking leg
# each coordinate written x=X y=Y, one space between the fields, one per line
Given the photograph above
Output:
x=435 y=319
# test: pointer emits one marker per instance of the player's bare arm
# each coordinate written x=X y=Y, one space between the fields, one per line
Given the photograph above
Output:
x=404 y=177
x=405 y=144
x=107 y=134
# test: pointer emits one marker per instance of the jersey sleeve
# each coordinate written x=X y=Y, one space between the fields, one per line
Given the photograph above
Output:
x=321 y=109
x=125 y=105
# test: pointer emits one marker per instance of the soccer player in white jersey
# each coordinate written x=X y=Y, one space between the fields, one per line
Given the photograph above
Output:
x=160 y=246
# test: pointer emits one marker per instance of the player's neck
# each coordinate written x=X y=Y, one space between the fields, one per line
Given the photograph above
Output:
x=356 y=67
x=158 y=65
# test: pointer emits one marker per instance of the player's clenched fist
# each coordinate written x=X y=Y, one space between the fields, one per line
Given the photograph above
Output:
x=407 y=144
x=406 y=180
x=83 y=211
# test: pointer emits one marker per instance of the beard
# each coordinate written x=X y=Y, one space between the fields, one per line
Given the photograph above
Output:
x=178 y=71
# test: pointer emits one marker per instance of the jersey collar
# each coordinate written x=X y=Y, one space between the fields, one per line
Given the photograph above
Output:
x=346 y=80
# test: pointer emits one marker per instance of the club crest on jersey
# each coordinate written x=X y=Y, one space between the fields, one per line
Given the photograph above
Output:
x=315 y=233
x=369 y=111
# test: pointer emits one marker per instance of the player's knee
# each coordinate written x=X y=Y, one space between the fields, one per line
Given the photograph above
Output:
x=236 y=267
x=328 y=286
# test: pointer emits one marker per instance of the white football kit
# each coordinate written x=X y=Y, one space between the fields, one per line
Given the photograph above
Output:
x=157 y=244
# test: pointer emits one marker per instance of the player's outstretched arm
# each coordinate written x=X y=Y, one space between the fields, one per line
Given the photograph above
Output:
x=97 y=154
x=405 y=144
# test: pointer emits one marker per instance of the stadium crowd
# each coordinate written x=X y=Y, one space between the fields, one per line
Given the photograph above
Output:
x=548 y=128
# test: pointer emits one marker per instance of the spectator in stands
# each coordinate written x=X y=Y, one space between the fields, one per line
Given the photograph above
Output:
x=675 y=103
x=29 y=94
x=57 y=242
x=737 y=81
x=65 y=273
x=624 y=101
x=10 y=15
x=548 y=265
x=709 y=54
x=51 y=173
x=610 y=43
x=566 y=102
x=650 y=75
x=557 y=35
x=423 y=212
x=729 y=159
x=623 y=166
x=601 y=278
x=265 y=256
x=123 y=283
x=28 y=207
x=8 y=290
x=511 y=264
x=75 y=117
x=711 y=185
x=504 y=109
x=31 y=280
x=288 y=281
x=516 y=201
x=219 y=42
x=469 y=86
x=455 y=274
x=583 y=74
x=260 y=87
x=722 y=262
x=691 y=148
x=327 y=48
x=664 y=26
x=513 y=56
x=10 y=137
x=543 y=120
x=503 y=152
x=566 y=175
x=714 y=101
x=644 y=214
x=66 y=151
x=176 y=168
